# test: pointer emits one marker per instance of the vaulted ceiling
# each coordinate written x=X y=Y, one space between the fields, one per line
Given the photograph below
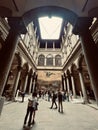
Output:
x=20 y=7
x=31 y=10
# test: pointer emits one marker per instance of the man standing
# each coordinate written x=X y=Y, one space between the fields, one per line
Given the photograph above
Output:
x=60 y=99
x=54 y=96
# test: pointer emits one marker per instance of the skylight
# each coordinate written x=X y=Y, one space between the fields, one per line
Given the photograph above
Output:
x=50 y=28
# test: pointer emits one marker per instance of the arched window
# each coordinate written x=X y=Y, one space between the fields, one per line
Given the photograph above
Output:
x=57 y=60
x=49 y=60
x=41 y=60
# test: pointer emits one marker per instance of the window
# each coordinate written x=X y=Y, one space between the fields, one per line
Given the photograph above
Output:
x=49 y=60
x=57 y=60
x=41 y=60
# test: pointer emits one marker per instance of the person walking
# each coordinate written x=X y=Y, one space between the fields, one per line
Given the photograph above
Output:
x=22 y=95
x=60 y=100
x=54 y=96
x=35 y=107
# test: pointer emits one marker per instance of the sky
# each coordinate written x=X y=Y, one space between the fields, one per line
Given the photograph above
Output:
x=50 y=27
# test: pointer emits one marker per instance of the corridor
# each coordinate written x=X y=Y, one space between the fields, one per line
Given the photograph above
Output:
x=76 y=116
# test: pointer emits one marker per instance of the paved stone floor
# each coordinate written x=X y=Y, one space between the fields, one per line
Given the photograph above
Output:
x=76 y=116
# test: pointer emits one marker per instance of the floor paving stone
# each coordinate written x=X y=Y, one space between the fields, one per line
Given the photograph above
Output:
x=76 y=116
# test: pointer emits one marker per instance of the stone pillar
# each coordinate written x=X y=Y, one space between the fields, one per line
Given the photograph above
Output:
x=53 y=45
x=53 y=61
x=8 y=50
x=45 y=61
x=46 y=46
x=6 y=56
x=85 y=98
x=31 y=79
x=65 y=87
x=90 y=51
x=16 y=82
x=33 y=86
x=25 y=84
x=73 y=86
x=62 y=82
x=68 y=89
x=33 y=83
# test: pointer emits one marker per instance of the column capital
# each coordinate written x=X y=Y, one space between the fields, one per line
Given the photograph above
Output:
x=82 y=25
x=64 y=74
x=17 y=24
x=27 y=73
x=71 y=74
x=79 y=69
x=19 y=68
x=67 y=76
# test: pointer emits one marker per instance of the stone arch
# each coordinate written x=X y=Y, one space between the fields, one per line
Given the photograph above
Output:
x=66 y=14
x=41 y=60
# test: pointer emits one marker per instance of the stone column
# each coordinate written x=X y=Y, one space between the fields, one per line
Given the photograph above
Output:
x=45 y=61
x=65 y=87
x=53 y=46
x=62 y=82
x=25 y=84
x=33 y=86
x=73 y=86
x=33 y=83
x=90 y=51
x=53 y=61
x=46 y=46
x=31 y=79
x=6 y=57
x=68 y=89
x=16 y=82
x=8 y=50
x=85 y=98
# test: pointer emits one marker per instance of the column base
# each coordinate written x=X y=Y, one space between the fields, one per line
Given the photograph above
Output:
x=1 y=103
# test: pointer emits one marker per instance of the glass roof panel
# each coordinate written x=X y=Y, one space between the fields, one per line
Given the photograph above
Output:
x=50 y=27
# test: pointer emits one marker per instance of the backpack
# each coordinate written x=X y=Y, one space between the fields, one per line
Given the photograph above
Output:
x=30 y=103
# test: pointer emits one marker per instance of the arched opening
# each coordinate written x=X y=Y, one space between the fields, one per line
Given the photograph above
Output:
x=49 y=60
x=23 y=78
x=58 y=61
x=86 y=78
x=10 y=83
x=66 y=14
x=41 y=60
x=75 y=75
